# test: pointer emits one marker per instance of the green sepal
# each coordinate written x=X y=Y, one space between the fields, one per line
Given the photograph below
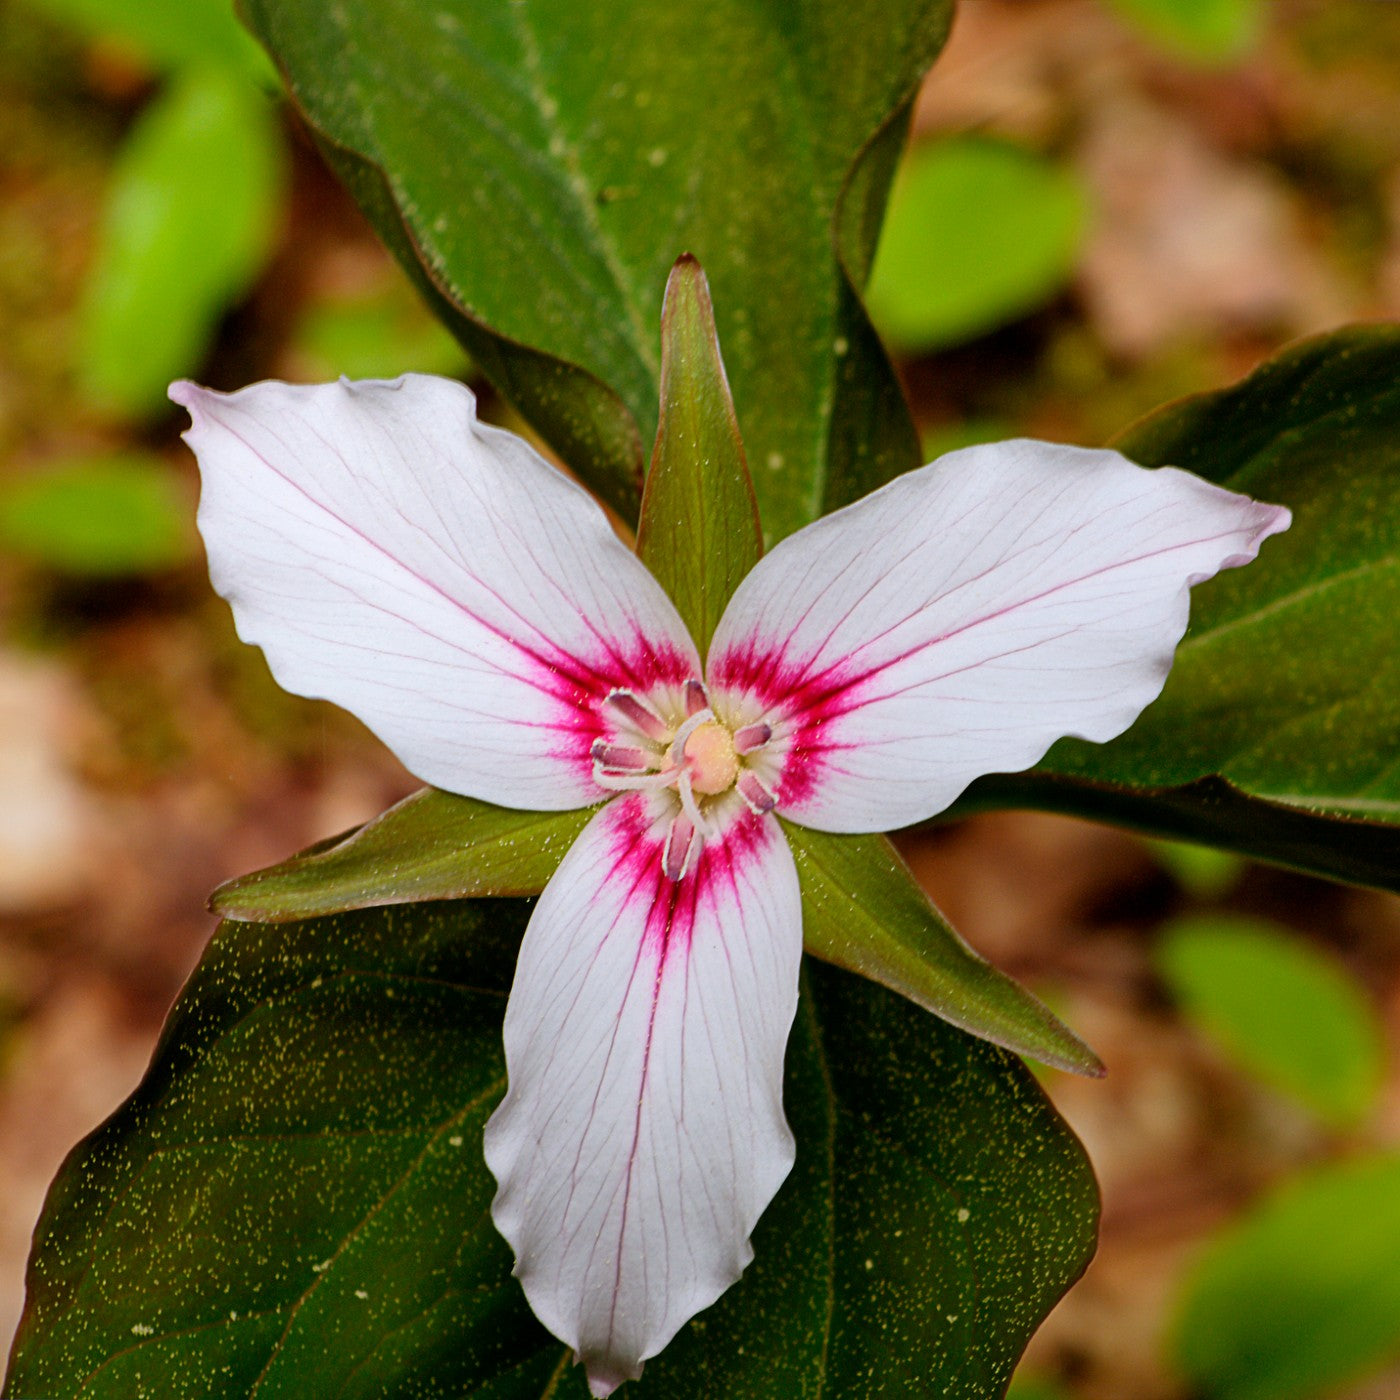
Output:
x=699 y=531
x=432 y=845
x=863 y=910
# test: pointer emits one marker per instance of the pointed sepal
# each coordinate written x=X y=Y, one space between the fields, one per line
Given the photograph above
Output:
x=699 y=532
x=864 y=911
x=432 y=845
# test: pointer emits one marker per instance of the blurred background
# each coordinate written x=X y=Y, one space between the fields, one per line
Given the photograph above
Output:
x=1108 y=204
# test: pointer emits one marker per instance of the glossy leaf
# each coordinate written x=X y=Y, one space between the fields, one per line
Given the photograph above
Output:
x=1276 y=733
x=294 y=1202
x=1213 y=30
x=1303 y=1294
x=1279 y=1008
x=863 y=910
x=978 y=233
x=191 y=216
x=122 y=514
x=1209 y=811
x=699 y=531
x=432 y=845
x=539 y=168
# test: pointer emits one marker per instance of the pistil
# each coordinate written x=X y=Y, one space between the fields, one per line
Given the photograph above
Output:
x=714 y=764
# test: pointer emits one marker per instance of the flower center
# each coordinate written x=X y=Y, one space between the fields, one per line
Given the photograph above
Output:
x=714 y=764
x=673 y=741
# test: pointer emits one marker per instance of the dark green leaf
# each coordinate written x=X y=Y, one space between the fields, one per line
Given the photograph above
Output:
x=539 y=168
x=99 y=516
x=432 y=845
x=1209 y=811
x=1281 y=1009
x=978 y=233
x=864 y=911
x=1282 y=711
x=1303 y=1294
x=190 y=218
x=294 y=1203
x=699 y=531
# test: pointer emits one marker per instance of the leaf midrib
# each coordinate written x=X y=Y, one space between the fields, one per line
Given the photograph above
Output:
x=495 y=1087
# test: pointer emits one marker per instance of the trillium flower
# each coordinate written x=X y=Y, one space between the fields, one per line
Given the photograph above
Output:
x=474 y=608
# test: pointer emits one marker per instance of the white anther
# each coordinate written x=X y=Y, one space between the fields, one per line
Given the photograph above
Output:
x=622 y=758
x=640 y=715
x=751 y=737
x=682 y=842
x=755 y=792
x=696 y=698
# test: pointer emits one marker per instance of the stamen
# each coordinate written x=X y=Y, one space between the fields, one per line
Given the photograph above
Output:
x=622 y=758
x=751 y=737
x=755 y=792
x=639 y=714
x=695 y=698
x=682 y=842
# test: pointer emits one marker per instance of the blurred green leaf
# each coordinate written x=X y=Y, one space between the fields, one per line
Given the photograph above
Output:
x=1202 y=871
x=538 y=169
x=1033 y=1387
x=167 y=33
x=294 y=1202
x=190 y=219
x=969 y=433
x=123 y=514
x=1276 y=734
x=385 y=332
x=978 y=233
x=1281 y=1009
x=864 y=911
x=1302 y=1295
x=1212 y=30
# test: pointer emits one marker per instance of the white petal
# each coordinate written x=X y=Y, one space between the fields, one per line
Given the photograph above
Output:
x=643 y=1131
x=961 y=619
x=433 y=575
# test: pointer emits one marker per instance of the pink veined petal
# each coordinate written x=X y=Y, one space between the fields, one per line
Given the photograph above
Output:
x=961 y=619
x=643 y=1131
x=431 y=574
